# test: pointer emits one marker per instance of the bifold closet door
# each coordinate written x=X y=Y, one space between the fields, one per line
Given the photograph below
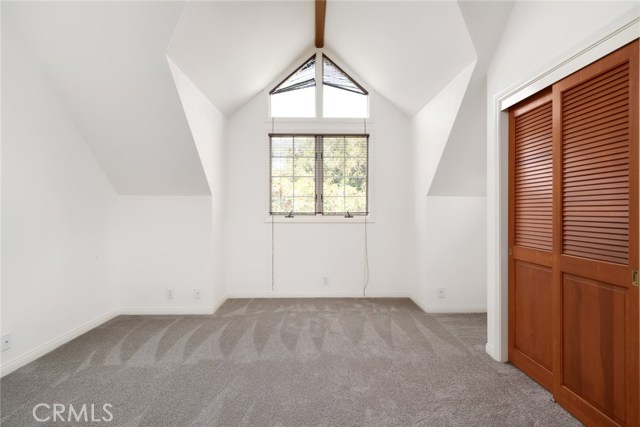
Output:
x=596 y=202
x=573 y=239
x=531 y=237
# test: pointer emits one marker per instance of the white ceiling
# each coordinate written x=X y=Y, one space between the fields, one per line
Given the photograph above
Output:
x=486 y=21
x=233 y=50
x=407 y=51
x=462 y=168
x=107 y=61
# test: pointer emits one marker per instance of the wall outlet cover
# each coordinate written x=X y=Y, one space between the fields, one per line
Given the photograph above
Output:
x=6 y=341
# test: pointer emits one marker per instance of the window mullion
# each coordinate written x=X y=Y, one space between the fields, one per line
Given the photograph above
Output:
x=319 y=87
x=319 y=174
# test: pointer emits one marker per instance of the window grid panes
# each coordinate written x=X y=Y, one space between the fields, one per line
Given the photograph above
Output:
x=319 y=174
x=339 y=95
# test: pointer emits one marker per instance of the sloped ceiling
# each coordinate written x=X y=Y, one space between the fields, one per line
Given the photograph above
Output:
x=462 y=169
x=107 y=61
x=232 y=50
x=485 y=21
x=407 y=51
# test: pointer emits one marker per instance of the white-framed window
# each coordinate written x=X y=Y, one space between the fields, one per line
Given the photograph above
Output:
x=319 y=88
x=319 y=174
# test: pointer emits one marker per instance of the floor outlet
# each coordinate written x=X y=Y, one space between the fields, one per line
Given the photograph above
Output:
x=6 y=341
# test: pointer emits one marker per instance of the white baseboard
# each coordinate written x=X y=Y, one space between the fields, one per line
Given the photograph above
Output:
x=219 y=302
x=455 y=309
x=165 y=310
x=30 y=356
x=174 y=310
x=491 y=351
x=277 y=294
x=449 y=308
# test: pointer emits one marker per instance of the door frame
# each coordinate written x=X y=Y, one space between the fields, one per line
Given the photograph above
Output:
x=621 y=32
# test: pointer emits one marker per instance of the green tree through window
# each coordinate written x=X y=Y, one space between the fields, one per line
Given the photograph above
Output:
x=319 y=174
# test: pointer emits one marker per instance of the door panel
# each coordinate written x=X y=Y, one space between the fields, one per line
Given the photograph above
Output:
x=593 y=345
x=596 y=221
x=573 y=235
x=596 y=181
x=533 y=307
x=530 y=236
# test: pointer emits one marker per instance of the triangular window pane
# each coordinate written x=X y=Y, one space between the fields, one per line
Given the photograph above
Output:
x=333 y=76
x=302 y=78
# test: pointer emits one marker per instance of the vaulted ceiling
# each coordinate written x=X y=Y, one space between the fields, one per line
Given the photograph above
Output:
x=233 y=50
x=107 y=60
x=406 y=51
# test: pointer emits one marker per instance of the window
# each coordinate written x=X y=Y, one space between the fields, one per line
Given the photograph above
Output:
x=338 y=95
x=296 y=95
x=341 y=95
x=319 y=174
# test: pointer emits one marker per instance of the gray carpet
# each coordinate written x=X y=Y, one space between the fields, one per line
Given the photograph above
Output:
x=285 y=362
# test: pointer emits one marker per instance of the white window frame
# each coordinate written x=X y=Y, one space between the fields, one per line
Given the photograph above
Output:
x=321 y=129
x=319 y=126
x=319 y=118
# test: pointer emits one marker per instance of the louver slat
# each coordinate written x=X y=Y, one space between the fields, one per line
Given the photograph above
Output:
x=533 y=178
x=595 y=168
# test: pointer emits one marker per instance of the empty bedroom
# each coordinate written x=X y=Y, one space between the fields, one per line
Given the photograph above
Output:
x=319 y=213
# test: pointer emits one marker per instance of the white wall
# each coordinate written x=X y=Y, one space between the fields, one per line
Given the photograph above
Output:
x=56 y=208
x=449 y=232
x=305 y=252
x=455 y=255
x=208 y=127
x=161 y=243
x=538 y=36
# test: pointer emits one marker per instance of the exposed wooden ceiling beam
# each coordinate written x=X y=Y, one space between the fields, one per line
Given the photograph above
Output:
x=321 y=7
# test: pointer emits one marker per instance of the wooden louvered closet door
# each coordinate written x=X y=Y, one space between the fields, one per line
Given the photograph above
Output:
x=531 y=237
x=573 y=310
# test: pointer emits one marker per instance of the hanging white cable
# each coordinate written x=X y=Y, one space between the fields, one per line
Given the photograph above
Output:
x=366 y=259
x=366 y=239
x=273 y=255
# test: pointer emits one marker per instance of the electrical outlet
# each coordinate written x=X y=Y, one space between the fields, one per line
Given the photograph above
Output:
x=196 y=294
x=169 y=293
x=325 y=280
x=6 y=341
x=440 y=292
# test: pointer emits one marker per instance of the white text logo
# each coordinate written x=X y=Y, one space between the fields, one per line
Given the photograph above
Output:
x=44 y=412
